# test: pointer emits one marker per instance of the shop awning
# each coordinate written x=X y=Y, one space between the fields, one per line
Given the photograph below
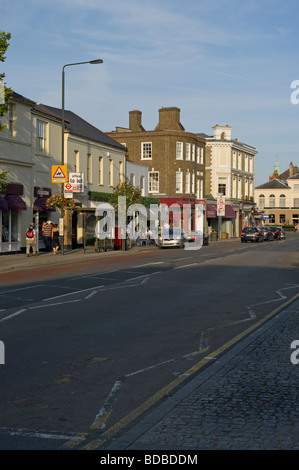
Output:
x=211 y=211
x=40 y=205
x=3 y=204
x=229 y=212
x=15 y=203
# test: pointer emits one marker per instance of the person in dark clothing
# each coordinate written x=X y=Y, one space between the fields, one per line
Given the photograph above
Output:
x=55 y=238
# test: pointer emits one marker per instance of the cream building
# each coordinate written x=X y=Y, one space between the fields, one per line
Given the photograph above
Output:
x=278 y=198
x=29 y=147
x=229 y=171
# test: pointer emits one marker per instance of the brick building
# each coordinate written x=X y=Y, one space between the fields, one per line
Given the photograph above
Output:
x=174 y=157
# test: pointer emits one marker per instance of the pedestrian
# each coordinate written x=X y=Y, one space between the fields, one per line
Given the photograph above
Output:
x=47 y=235
x=30 y=240
x=55 y=238
x=148 y=236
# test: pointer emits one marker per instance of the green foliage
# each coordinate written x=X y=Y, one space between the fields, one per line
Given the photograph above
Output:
x=147 y=201
x=98 y=196
x=107 y=197
x=3 y=181
x=132 y=194
x=4 y=38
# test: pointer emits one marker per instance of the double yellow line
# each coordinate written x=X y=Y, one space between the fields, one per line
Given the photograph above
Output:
x=126 y=420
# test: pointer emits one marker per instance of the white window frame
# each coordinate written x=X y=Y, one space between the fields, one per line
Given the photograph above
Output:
x=41 y=136
x=153 y=181
x=179 y=150
x=188 y=151
x=146 y=151
x=193 y=153
x=179 y=182
x=187 y=182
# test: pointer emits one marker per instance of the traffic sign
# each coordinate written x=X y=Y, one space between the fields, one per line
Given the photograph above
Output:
x=59 y=173
x=220 y=206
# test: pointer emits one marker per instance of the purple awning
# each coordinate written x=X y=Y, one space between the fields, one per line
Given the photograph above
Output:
x=40 y=205
x=3 y=204
x=229 y=212
x=15 y=203
x=211 y=211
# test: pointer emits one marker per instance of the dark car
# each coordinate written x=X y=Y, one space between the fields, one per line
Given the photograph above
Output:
x=251 y=234
x=268 y=234
x=275 y=232
x=197 y=238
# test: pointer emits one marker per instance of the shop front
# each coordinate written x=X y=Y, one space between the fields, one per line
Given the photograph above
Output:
x=225 y=226
x=11 y=205
x=41 y=213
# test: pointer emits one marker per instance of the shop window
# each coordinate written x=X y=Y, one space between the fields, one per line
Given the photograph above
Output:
x=282 y=218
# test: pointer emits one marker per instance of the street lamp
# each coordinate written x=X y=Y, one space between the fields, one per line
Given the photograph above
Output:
x=96 y=61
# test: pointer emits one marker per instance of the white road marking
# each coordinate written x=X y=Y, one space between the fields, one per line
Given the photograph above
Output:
x=13 y=315
x=40 y=434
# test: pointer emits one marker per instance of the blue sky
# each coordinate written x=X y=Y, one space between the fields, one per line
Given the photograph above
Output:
x=229 y=62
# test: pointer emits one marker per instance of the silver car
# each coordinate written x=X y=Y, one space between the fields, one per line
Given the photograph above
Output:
x=171 y=237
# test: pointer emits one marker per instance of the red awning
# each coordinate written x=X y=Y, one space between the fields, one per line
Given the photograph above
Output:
x=40 y=205
x=3 y=204
x=15 y=203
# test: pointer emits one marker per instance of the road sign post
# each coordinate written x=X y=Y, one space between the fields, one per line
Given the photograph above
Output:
x=220 y=212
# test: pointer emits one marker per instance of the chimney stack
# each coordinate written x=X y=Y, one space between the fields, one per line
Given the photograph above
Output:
x=135 y=121
x=169 y=119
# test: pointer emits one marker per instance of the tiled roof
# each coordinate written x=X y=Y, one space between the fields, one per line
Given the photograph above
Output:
x=274 y=183
x=78 y=126
x=294 y=177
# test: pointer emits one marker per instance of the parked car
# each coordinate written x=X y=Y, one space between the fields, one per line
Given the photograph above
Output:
x=268 y=234
x=252 y=234
x=196 y=238
x=275 y=232
x=171 y=237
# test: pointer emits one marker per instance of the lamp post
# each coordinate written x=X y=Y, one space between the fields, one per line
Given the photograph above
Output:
x=96 y=61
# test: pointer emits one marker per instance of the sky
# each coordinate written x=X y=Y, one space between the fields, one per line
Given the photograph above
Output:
x=231 y=62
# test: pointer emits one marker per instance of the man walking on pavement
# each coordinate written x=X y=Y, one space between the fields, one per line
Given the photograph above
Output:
x=30 y=240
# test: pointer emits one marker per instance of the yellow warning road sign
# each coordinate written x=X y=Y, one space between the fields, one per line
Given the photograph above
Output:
x=59 y=173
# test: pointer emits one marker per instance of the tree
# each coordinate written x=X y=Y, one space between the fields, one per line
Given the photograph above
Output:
x=4 y=38
x=132 y=194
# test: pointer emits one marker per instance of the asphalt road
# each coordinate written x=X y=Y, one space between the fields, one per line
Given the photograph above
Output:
x=88 y=352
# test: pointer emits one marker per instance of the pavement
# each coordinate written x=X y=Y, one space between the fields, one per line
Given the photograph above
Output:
x=13 y=265
x=246 y=399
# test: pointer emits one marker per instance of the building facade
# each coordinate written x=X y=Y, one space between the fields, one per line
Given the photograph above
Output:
x=29 y=147
x=174 y=157
x=229 y=172
x=278 y=198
